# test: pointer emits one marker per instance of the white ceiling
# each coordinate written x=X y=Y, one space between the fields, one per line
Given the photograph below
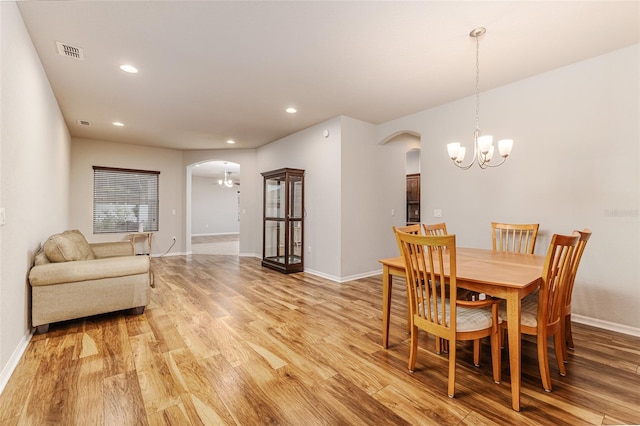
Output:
x=212 y=71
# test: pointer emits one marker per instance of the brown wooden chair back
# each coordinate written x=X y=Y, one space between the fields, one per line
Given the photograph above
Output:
x=409 y=229
x=435 y=229
x=555 y=278
x=585 y=234
x=424 y=257
x=577 y=256
x=517 y=238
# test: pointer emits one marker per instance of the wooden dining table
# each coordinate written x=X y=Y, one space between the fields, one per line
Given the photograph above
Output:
x=509 y=276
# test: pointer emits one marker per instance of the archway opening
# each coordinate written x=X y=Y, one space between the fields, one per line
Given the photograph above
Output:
x=410 y=142
x=215 y=208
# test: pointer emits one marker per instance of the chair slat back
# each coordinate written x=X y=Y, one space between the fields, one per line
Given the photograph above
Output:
x=517 y=238
x=428 y=261
x=555 y=276
x=409 y=229
x=435 y=229
x=584 y=235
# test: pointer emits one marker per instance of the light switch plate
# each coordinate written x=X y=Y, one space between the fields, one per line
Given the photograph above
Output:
x=437 y=213
x=2 y=216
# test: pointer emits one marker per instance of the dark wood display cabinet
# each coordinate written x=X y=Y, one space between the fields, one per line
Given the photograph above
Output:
x=413 y=198
x=283 y=220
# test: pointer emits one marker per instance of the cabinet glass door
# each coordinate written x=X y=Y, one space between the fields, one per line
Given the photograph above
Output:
x=274 y=203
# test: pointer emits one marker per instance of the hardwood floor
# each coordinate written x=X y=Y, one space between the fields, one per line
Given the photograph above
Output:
x=228 y=244
x=225 y=341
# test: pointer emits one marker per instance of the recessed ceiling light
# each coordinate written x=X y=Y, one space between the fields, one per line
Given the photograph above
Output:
x=291 y=110
x=118 y=124
x=129 y=68
x=231 y=142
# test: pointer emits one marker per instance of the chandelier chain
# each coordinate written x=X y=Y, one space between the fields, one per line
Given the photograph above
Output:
x=477 y=84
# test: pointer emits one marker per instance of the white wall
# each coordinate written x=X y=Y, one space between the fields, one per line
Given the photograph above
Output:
x=34 y=178
x=413 y=161
x=372 y=197
x=320 y=158
x=574 y=164
x=214 y=208
x=86 y=153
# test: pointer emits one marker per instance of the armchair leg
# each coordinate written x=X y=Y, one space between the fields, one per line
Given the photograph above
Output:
x=41 y=329
x=139 y=310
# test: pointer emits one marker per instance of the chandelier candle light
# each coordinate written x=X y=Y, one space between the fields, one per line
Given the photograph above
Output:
x=482 y=145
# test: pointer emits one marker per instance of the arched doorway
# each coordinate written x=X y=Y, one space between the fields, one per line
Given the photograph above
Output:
x=215 y=208
x=410 y=142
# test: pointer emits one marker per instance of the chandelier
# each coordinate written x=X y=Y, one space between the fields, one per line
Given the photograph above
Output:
x=226 y=182
x=482 y=144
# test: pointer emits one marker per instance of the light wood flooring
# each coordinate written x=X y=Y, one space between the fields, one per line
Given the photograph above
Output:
x=227 y=244
x=225 y=341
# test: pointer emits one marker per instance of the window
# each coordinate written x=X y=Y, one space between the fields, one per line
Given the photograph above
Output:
x=122 y=199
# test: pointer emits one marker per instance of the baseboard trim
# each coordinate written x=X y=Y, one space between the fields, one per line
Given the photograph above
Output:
x=215 y=234
x=11 y=365
x=257 y=256
x=610 y=326
x=170 y=254
x=322 y=275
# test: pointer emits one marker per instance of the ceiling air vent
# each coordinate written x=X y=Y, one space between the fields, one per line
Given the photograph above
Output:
x=70 y=51
x=84 y=123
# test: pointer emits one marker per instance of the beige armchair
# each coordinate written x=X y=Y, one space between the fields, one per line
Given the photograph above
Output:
x=73 y=279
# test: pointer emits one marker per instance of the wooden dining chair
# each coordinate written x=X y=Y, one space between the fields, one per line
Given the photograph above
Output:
x=435 y=229
x=436 y=309
x=517 y=238
x=542 y=315
x=585 y=234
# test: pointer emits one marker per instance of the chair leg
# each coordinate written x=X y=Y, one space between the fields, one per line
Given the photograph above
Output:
x=563 y=339
x=451 y=388
x=442 y=345
x=413 y=348
x=496 y=356
x=408 y=315
x=568 y=334
x=476 y=352
x=543 y=362
x=559 y=346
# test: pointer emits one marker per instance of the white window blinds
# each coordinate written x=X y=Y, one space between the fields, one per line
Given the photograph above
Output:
x=123 y=198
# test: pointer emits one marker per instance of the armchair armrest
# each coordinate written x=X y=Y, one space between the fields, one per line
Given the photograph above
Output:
x=111 y=249
x=84 y=270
